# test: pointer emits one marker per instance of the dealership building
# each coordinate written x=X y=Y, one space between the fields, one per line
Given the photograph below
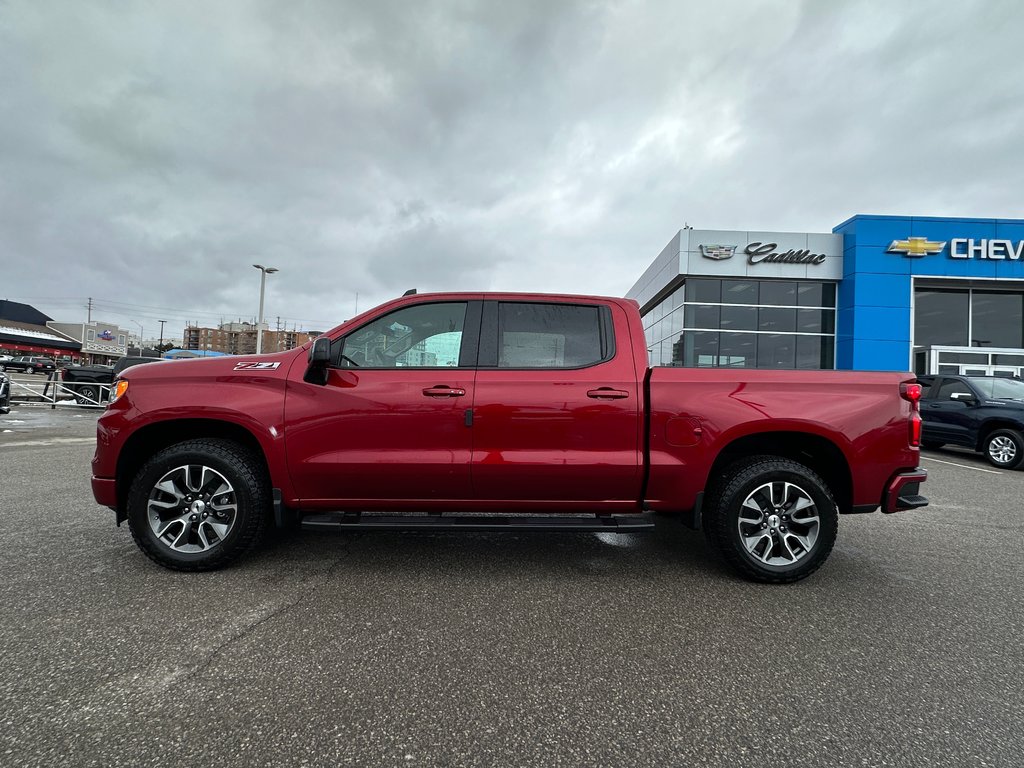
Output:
x=927 y=294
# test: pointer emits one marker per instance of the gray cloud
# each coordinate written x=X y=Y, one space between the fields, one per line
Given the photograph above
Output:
x=149 y=153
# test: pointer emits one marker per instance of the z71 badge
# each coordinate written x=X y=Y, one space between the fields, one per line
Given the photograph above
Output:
x=256 y=366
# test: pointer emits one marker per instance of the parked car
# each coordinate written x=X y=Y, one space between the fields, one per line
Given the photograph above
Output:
x=983 y=413
x=535 y=407
x=5 y=393
x=91 y=383
x=29 y=364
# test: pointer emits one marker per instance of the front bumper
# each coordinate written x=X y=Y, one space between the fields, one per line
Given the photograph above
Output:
x=903 y=491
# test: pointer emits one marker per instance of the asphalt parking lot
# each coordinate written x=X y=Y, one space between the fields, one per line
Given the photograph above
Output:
x=488 y=650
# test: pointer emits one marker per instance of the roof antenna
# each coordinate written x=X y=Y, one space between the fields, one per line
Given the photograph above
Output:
x=410 y=292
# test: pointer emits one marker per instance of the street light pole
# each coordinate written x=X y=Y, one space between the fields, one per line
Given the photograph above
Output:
x=141 y=332
x=264 y=271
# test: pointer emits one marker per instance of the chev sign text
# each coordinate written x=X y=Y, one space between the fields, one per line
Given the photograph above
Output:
x=966 y=248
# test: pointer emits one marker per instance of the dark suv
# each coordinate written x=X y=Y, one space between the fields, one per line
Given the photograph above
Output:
x=983 y=413
x=30 y=364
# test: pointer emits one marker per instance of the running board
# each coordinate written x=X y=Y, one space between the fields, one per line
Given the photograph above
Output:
x=357 y=522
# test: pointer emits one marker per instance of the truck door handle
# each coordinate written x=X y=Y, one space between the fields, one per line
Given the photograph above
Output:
x=607 y=393
x=442 y=391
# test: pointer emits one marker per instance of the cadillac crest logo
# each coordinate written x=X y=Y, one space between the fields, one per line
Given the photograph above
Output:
x=717 y=252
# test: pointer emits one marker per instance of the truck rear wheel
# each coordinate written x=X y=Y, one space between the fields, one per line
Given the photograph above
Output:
x=198 y=505
x=773 y=519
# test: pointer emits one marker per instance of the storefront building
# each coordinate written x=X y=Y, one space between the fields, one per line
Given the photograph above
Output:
x=101 y=343
x=878 y=293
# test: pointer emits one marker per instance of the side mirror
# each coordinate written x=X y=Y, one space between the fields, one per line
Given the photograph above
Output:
x=320 y=352
x=319 y=359
x=963 y=397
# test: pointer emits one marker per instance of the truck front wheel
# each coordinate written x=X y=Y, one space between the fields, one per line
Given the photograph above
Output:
x=88 y=395
x=199 y=505
x=773 y=519
x=1004 y=448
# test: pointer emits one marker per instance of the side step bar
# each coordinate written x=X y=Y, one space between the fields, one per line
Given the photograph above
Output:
x=338 y=521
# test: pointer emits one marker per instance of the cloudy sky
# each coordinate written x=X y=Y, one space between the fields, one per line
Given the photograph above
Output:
x=150 y=152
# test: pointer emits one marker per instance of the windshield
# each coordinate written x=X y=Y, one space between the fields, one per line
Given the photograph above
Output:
x=999 y=389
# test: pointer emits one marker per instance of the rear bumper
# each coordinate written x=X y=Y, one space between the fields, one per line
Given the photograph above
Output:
x=903 y=491
x=104 y=490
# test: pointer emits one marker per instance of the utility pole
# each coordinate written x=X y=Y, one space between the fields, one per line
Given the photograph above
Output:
x=89 y=307
x=161 y=331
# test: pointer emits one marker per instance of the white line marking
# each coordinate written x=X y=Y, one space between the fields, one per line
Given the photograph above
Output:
x=965 y=466
x=50 y=441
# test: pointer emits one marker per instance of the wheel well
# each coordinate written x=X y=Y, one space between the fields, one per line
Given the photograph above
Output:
x=817 y=453
x=149 y=440
x=991 y=426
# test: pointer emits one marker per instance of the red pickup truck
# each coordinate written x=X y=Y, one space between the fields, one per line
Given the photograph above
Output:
x=501 y=412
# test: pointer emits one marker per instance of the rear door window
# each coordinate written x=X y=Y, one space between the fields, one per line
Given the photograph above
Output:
x=542 y=335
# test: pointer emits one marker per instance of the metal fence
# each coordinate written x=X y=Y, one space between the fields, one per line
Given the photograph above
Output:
x=54 y=392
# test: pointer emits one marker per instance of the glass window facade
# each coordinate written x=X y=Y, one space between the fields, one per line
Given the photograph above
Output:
x=968 y=317
x=711 y=323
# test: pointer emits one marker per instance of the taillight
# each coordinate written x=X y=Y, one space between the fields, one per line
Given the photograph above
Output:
x=912 y=394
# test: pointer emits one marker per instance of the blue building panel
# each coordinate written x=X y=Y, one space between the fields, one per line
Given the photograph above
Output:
x=947 y=229
x=874 y=318
x=873 y=324
x=1009 y=229
x=875 y=230
x=844 y=322
x=881 y=356
x=844 y=353
x=876 y=260
x=871 y=289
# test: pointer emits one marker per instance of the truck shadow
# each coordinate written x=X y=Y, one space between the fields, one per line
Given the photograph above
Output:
x=668 y=549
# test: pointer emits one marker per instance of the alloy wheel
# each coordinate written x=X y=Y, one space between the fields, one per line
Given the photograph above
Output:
x=778 y=523
x=1002 y=449
x=192 y=508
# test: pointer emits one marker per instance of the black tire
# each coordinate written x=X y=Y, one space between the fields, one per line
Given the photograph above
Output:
x=249 y=494
x=931 y=445
x=88 y=394
x=779 y=531
x=1004 y=448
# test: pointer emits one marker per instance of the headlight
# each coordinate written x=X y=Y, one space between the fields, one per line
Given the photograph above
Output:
x=120 y=387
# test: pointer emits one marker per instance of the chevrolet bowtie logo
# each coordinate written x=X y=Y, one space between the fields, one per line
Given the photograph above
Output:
x=916 y=246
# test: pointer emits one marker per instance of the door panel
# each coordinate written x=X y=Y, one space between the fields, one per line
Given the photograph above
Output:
x=556 y=435
x=390 y=423
x=376 y=434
